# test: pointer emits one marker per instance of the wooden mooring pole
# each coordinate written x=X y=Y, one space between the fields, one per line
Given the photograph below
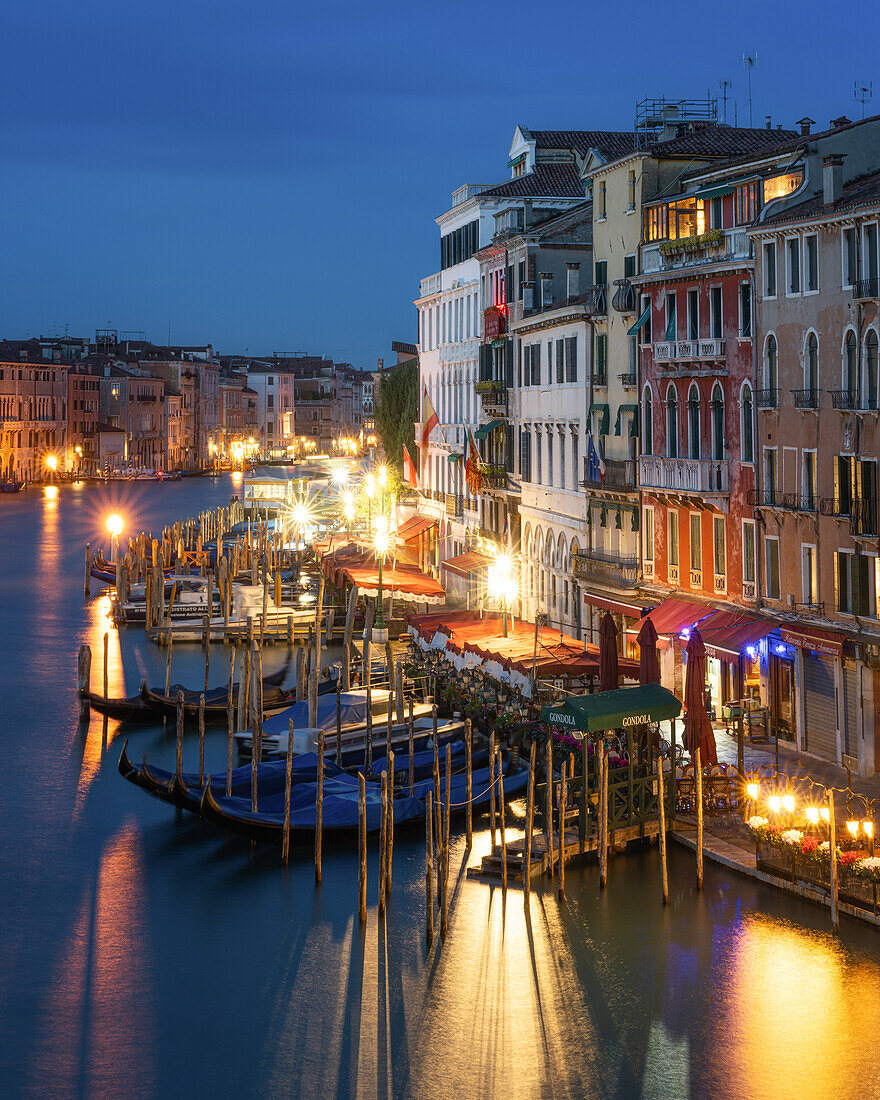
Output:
x=429 y=870
x=383 y=840
x=832 y=845
x=412 y=742
x=698 y=779
x=492 y=760
x=106 y=667
x=87 y=587
x=390 y=821
x=362 y=849
x=530 y=820
x=178 y=764
x=501 y=820
x=202 y=739
x=230 y=722
x=469 y=791
x=319 y=807
x=84 y=675
x=560 y=881
x=661 y=835
x=288 y=776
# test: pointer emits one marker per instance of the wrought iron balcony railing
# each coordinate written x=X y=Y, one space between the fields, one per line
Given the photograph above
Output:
x=592 y=565
x=806 y=399
x=845 y=400
x=767 y=398
x=867 y=288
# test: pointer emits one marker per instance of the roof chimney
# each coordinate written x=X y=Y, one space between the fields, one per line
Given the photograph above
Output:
x=805 y=123
x=768 y=122
x=832 y=178
x=842 y=121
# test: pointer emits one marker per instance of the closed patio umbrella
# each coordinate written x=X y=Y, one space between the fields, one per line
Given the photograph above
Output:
x=649 y=662
x=609 y=674
x=697 y=727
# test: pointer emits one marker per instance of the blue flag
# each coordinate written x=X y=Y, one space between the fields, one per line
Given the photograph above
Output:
x=595 y=461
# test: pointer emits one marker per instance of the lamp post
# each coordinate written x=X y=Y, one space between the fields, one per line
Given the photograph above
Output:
x=348 y=508
x=502 y=586
x=381 y=544
x=370 y=490
x=51 y=466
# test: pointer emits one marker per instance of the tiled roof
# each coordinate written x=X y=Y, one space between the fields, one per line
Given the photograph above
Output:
x=862 y=191
x=723 y=141
x=26 y=351
x=558 y=181
x=610 y=143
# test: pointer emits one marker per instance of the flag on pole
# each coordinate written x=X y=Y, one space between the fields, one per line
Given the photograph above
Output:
x=430 y=419
x=410 y=473
x=595 y=460
x=473 y=474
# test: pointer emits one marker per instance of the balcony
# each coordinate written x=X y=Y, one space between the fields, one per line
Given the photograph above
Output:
x=596 y=300
x=806 y=399
x=867 y=288
x=430 y=285
x=600 y=378
x=694 y=251
x=844 y=400
x=673 y=351
x=610 y=569
x=493 y=396
x=791 y=502
x=454 y=504
x=620 y=476
x=494 y=475
x=626 y=297
x=683 y=475
x=860 y=511
x=767 y=398
x=628 y=381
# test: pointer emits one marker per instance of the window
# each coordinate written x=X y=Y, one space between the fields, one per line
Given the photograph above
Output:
x=746 y=202
x=808 y=481
x=793 y=265
x=770 y=478
x=672 y=422
x=647 y=422
x=811 y=262
x=562 y=483
x=645 y=331
x=749 y=554
x=525 y=455
x=629 y=267
x=850 y=257
x=601 y=365
x=779 y=186
x=811 y=364
x=769 y=252
x=571 y=368
x=843 y=480
x=671 y=322
x=270 y=401
x=600 y=207
x=850 y=362
x=771 y=364
x=575 y=457
x=771 y=547
x=673 y=537
x=270 y=380
x=696 y=542
x=560 y=359
x=631 y=190
x=854 y=582
x=538 y=456
x=870 y=257
x=693 y=315
x=715 y=319
x=694 y=422
x=549 y=434
x=716 y=211
x=655 y=223
x=601 y=273
x=719 y=532
x=717 y=423
x=748 y=431
x=648 y=535
x=871 y=381
x=808 y=574
x=745 y=309
x=521 y=277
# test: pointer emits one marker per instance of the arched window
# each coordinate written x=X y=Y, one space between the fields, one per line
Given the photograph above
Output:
x=672 y=422
x=871 y=386
x=717 y=423
x=748 y=431
x=647 y=422
x=811 y=366
x=694 y=422
x=771 y=367
x=850 y=363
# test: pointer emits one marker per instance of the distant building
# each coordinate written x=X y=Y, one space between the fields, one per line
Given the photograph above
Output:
x=33 y=410
x=83 y=415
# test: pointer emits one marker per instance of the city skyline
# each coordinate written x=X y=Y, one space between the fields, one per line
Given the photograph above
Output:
x=205 y=178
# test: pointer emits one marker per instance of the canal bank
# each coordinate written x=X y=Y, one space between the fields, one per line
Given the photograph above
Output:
x=142 y=953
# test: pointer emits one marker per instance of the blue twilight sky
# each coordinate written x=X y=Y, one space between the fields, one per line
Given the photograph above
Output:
x=265 y=176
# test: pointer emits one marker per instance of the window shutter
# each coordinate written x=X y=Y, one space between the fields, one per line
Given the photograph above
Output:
x=860 y=585
x=508 y=362
x=508 y=448
x=530 y=264
x=839 y=580
x=536 y=364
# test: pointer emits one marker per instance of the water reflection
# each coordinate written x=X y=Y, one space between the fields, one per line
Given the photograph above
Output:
x=96 y=1033
x=100 y=732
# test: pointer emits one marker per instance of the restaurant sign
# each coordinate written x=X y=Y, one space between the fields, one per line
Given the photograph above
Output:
x=830 y=647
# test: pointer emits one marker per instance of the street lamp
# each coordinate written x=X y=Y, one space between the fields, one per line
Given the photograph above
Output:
x=370 y=490
x=51 y=464
x=114 y=526
x=502 y=585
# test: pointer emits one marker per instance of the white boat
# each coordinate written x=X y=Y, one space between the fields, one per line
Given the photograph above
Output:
x=247 y=603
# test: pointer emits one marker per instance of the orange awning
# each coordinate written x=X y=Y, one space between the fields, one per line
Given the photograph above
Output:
x=361 y=567
x=465 y=565
x=413 y=527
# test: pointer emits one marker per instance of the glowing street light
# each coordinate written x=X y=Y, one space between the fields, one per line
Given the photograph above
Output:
x=381 y=542
x=383 y=476
x=115 y=525
x=502 y=585
x=340 y=475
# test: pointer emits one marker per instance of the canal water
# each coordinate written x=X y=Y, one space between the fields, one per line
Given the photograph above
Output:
x=148 y=954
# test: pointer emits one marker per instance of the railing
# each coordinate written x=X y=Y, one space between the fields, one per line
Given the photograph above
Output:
x=627 y=380
x=767 y=398
x=620 y=474
x=597 y=299
x=867 y=288
x=844 y=400
x=593 y=565
x=688 y=475
x=806 y=399
x=494 y=475
x=626 y=297
x=600 y=378
x=667 y=351
x=454 y=504
x=735 y=243
x=430 y=285
x=493 y=395
x=860 y=511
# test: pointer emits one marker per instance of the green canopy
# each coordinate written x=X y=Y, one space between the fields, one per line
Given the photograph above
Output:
x=604 y=413
x=611 y=710
x=641 y=321
x=485 y=430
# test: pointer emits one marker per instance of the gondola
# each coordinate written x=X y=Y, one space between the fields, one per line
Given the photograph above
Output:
x=340 y=806
x=132 y=709
x=103 y=570
x=216 y=699
x=12 y=486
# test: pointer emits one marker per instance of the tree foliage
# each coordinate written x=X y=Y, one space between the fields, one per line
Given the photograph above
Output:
x=396 y=407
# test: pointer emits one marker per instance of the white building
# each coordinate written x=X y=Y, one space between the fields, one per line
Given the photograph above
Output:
x=275 y=406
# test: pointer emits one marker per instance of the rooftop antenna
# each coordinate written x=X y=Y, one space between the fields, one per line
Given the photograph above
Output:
x=750 y=60
x=863 y=91
x=724 y=85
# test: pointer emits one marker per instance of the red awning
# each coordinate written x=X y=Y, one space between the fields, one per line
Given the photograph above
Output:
x=674 y=615
x=813 y=638
x=464 y=565
x=403 y=580
x=730 y=632
x=413 y=527
x=618 y=607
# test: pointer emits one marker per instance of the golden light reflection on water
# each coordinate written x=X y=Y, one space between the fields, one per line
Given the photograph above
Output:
x=799 y=1010
x=100 y=732
x=96 y=1034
